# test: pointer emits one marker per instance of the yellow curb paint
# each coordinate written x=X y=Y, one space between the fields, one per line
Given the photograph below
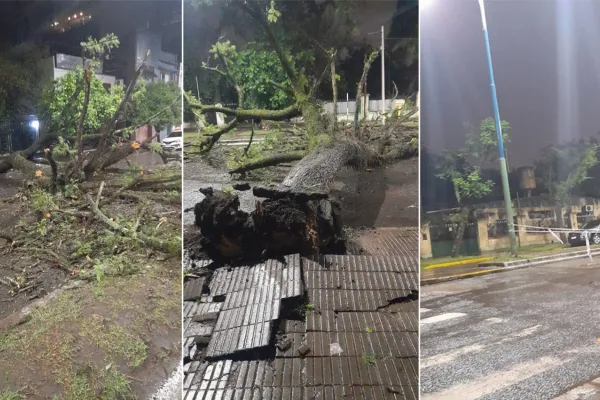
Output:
x=465 y=275
x=452 y=264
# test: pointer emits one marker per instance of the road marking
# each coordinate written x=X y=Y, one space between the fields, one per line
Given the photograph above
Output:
x=494 y=320
x=582 y=392
x=462 y=262
x=450 y=356
x=475 y=348
x=441 y=317
x=492 y=383
x=424 y=310
x=527 y=331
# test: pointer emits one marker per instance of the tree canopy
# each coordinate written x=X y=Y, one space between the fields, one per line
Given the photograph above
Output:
x=62 y=111
x=563 y=168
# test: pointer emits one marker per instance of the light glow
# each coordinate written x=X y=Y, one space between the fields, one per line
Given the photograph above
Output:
x=35 y=124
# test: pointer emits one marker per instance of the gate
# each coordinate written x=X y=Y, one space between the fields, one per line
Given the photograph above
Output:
x=442 y=240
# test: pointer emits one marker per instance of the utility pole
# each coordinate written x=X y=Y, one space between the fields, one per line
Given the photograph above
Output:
x=383 y=72
x=503 y=167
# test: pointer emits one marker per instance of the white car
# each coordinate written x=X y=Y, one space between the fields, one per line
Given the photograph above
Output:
x=174 y=141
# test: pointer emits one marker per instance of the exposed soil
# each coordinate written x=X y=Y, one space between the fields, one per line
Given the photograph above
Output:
x=92 y=328
x=101 y=319
x=277 y=227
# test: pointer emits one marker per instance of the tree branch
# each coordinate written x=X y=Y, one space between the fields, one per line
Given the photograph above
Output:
x=253 y=10
x=268 y=162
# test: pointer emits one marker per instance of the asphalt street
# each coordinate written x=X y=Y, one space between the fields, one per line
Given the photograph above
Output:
x=529 y=334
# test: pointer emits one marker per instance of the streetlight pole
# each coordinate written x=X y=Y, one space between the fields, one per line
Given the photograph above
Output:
x=383 y=72
x=503 y=168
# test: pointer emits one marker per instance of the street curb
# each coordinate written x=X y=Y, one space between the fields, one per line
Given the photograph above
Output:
x=510 y=266
x=454 y=263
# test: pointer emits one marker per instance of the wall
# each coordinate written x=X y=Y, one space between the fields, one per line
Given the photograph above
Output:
x=108 y=79
x=425 y=247
x=159 y=61
x=525 y=235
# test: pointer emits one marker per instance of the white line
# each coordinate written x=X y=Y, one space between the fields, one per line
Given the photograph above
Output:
x=581 y=392
x=494 y=320
x=440 y=318
x=475 y=348
x=450 y=356
x=424 y=310
x=492 y=383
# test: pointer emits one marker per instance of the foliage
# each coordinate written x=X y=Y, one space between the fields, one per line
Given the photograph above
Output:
x=96 y=48
x=564 y=167
x=462 y=167
x=62 y=112
x=62 y=148
x=133 y=173
x=42 y=201
x=156 y=147
x=153 y=98
x=258 y=71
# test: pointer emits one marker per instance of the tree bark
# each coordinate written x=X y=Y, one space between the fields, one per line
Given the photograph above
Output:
x=360 y=88
x=458 y=238
x=268 y=162
x=317 y=170
x=335 y=94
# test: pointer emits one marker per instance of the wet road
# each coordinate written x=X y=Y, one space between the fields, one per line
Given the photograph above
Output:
x=527 y=334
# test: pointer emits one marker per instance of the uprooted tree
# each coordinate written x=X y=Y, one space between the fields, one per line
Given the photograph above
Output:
x=86 y=132
x=326 y=148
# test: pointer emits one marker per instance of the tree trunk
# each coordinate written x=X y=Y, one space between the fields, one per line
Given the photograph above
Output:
x=316 y=171
x=561 y=223
x=458 y=238
x=360 y=88
x=334 y=90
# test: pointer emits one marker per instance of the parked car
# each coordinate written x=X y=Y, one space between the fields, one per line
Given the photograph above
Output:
x=591 y=228
x=173 y=141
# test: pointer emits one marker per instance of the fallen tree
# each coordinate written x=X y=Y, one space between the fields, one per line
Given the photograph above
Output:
x=302 y=197
x=327 y=149
x=77 y=213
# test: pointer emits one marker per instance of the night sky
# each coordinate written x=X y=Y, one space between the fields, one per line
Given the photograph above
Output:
x=546 y=56
x=29 y=21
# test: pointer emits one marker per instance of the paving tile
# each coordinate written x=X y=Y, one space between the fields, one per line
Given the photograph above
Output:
x=396 y=263
x=192 y=289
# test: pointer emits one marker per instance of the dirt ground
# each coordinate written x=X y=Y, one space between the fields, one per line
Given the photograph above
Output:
x=112 y=337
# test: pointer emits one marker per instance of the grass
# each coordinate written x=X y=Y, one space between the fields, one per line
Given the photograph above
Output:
x=6 y=342
x=77 y=340
x=116 y=341
x=504 y=255
x=9 y=395
x=369 y=359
